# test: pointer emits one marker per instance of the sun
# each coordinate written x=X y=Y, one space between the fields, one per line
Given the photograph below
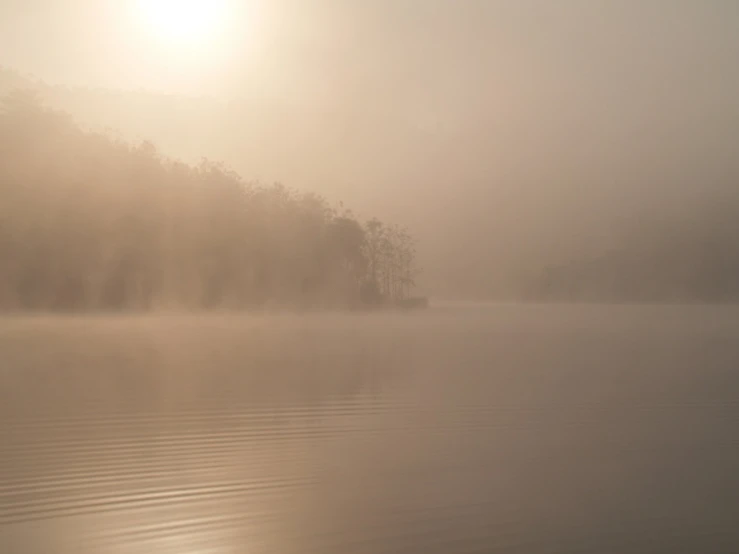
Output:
x=190 y=23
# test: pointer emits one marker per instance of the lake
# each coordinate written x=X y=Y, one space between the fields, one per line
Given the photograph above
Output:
x=460 y=429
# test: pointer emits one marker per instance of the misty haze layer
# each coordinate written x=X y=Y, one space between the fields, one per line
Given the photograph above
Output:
x=91 y=223
x=554 y=134
x=507 y=429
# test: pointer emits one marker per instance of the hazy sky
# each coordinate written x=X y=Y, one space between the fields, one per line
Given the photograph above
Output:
x=447 y=45
x=463 y=117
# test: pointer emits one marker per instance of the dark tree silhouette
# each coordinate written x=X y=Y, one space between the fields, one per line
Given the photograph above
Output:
x=92 y=223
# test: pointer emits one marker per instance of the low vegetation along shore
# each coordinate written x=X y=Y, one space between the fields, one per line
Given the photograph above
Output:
x=91 y=223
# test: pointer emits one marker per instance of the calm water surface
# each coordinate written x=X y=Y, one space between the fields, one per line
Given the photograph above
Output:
x=463 y=429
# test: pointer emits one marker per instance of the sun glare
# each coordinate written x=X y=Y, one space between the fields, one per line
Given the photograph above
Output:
x=185 y=22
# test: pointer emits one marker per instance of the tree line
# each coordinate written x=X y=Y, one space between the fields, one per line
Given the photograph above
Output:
x=689 y=256
x=89 y=222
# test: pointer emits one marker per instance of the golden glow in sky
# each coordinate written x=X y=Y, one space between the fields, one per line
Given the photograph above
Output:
x=185 y=23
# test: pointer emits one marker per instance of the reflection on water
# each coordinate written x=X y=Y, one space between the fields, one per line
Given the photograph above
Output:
x=499 y=429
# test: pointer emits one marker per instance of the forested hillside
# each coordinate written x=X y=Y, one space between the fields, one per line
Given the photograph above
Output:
x=89 y=222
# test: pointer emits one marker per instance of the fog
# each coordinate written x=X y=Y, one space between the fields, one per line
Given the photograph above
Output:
x=510 y=136
x=312 y=276
x=514 y=428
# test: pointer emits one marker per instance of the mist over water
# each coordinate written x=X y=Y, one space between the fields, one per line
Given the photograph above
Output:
x=464 y=429
x=226 y=228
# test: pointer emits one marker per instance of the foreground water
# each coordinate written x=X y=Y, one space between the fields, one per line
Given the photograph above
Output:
x=464 y=429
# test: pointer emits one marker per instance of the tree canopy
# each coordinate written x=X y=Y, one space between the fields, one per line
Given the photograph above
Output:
x=88 y=222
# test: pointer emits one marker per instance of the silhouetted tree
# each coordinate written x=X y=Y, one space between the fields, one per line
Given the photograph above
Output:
x=88 y=222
